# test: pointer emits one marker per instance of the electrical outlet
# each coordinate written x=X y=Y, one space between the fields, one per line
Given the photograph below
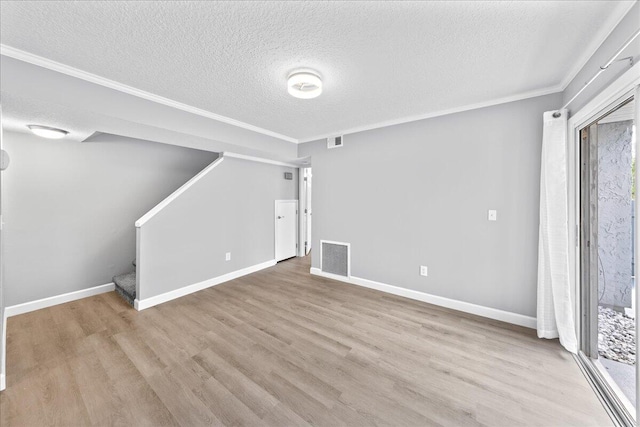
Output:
x=227 y=256
x=423 y=270
x=493 y=215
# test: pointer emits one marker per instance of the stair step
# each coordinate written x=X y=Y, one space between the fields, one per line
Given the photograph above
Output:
x=126 y=286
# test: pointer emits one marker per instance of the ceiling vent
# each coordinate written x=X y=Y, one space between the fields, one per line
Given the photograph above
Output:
x=335 y=141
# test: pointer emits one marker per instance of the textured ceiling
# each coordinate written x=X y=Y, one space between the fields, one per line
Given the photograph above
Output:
x=380 y=61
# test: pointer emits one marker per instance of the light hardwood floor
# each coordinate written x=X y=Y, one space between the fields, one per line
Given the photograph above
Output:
x=280 y=348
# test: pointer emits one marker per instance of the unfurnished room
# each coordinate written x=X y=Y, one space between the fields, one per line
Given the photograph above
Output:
x=326 y=213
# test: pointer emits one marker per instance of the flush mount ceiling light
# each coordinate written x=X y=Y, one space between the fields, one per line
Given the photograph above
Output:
x=304 y=84
x=48 y=132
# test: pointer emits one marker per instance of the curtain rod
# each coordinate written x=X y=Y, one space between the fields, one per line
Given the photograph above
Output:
x=603 y=68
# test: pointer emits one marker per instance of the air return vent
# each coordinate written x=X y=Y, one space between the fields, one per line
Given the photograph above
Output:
x=335 y=258
x=335 y=141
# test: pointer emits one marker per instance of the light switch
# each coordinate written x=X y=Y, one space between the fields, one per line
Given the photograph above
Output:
x=493 y=215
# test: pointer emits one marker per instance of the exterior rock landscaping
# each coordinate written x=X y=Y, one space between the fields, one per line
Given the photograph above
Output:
x=616 y=336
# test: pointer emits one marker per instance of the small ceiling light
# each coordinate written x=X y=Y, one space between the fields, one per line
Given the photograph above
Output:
x=48 y=132
x=304 y=84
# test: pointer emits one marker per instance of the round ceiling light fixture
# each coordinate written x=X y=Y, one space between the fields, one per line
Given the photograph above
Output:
x=48 y=132
x=304 y=84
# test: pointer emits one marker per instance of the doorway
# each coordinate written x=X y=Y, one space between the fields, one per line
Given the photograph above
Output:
x=607 y=247
x=286 y=229
x=305 y=211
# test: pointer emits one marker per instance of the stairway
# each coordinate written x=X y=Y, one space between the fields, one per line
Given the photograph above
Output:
x=126 y=285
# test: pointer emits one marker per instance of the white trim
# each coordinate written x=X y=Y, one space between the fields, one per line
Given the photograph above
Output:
x=27 y=307
x=258 y=159
x=275 y=226
x=186 y=290
x=331 y=242
x=138 y=259
x=3 y=382
x=302 y=192
x=40 y=61
x=467 y=307
x=111 y=84
x=157 y=208
x=93 y=78
x=417 y=117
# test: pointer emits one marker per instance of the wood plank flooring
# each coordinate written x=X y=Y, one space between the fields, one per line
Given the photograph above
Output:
x=283 y=348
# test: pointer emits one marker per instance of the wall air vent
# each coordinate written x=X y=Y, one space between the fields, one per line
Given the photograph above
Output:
x=335 y=258
x=335 y=141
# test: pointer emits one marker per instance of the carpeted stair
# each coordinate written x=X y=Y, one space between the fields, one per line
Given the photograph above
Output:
x=126 y=285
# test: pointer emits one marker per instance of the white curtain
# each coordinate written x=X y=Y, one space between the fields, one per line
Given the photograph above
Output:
x=555 y=308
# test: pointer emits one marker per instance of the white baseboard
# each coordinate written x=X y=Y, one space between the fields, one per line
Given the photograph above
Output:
x=186 y=290
x=467 y=307
x=3 y=353
x=26 y=307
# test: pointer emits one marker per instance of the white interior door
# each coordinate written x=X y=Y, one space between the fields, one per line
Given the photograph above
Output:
x=286 y=229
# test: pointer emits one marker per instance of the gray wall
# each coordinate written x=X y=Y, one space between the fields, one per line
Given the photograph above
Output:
x=418 y=194
x=70 y=208
x=614 y=214
x=629 y=24
x=231 y=209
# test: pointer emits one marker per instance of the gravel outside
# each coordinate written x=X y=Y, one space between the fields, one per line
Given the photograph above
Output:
x=616 y=336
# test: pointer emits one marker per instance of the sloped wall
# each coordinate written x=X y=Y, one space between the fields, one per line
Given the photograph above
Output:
x=231 y=209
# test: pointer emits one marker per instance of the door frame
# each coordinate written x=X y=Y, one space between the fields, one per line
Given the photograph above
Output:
x=302 y=194
x=275 y=225
x=609 y=97
x=588 y=259
x=3 y=318
x=301 y=197
x=303 y=237
x=622 y=88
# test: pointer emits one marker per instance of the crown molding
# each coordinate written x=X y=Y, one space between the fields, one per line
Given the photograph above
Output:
x=93 y=78
x=111 y=84
x=623 y=9
x=469 y=107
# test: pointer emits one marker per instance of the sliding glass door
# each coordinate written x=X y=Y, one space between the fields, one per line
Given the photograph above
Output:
x=607 y=247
